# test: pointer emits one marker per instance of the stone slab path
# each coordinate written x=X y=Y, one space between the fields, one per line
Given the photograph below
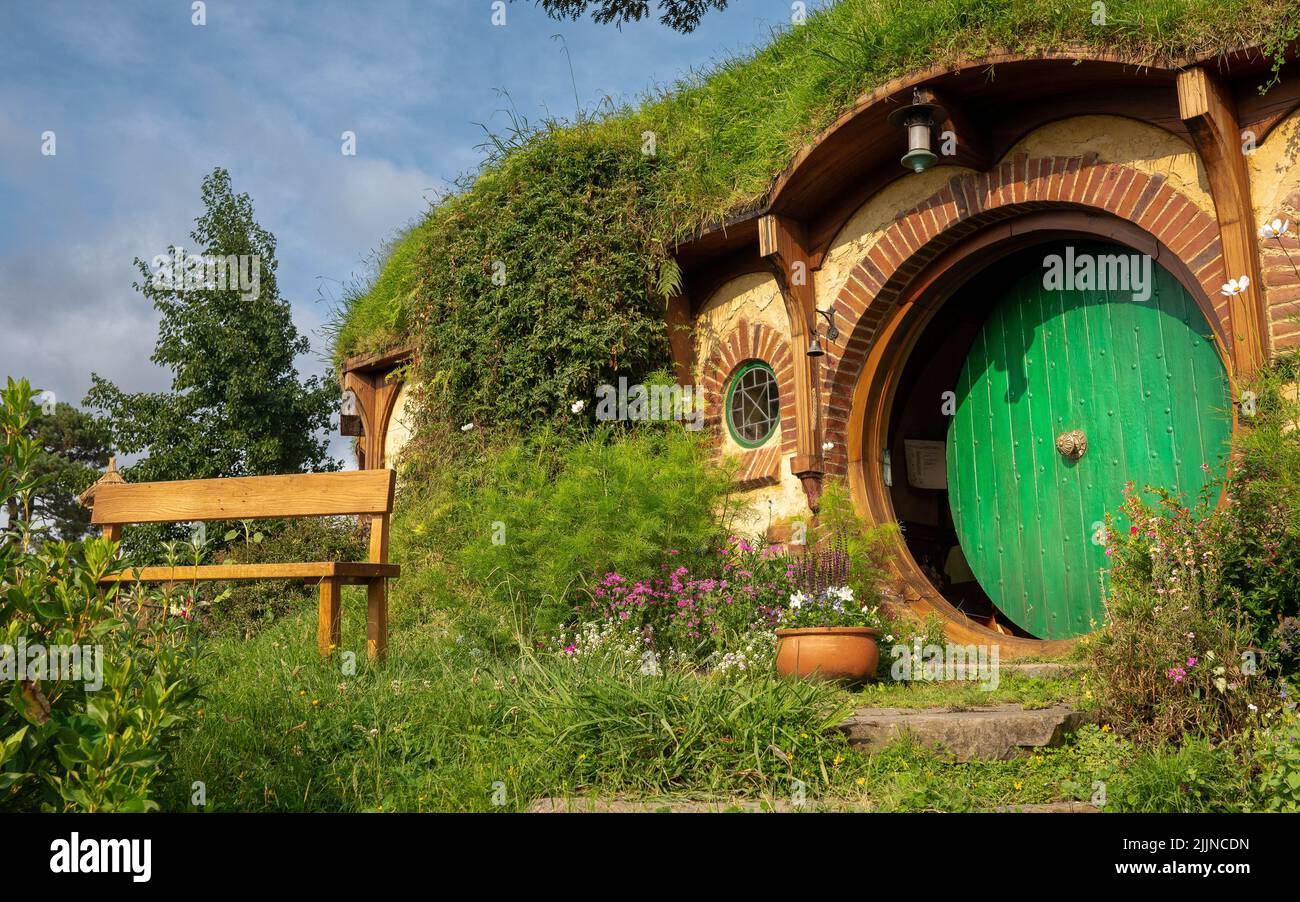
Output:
x=992 y=733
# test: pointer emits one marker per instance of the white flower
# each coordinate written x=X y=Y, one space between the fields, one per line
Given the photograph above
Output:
x=828 y=446
x=577 y=406
x=1234 y=287
x=797 y=600
x=467 y=427
x=1275 y=229
x=1252 y=708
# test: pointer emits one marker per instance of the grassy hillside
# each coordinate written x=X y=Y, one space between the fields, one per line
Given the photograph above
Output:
x=721 y=137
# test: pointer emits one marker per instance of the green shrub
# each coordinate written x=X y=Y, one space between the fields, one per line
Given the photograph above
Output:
x=96 y=739
x=1277 y=757
x=1261 y=545
x=1175 y=657
x=245 y=608
x=536 y=522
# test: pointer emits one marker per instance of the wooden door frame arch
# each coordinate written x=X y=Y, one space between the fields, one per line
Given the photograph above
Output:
x=926 y=293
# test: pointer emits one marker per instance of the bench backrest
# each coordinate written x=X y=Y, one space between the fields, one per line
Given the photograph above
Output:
x=364 y=492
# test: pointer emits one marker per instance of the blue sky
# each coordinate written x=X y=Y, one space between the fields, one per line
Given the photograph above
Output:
x=143 y=104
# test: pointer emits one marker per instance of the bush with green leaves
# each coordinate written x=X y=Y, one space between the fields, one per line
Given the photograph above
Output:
x=88 y=730
x=1276 y=753
x=1175 y=656
x=1260 y=548
x=537 y=521
x=246 y=607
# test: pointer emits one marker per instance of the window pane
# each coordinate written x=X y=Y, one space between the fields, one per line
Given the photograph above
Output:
x=754 y=407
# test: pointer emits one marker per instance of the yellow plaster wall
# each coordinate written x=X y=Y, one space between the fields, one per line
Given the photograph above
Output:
x=400 y=426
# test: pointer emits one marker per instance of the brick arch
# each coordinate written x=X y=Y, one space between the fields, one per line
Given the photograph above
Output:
x=973 y=201
x=751 y=341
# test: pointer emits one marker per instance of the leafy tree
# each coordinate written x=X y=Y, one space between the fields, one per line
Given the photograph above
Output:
x=237 y=406
x=74 y=447
x=679 y=15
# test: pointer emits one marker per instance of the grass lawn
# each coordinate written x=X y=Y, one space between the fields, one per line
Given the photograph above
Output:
x=450 y=726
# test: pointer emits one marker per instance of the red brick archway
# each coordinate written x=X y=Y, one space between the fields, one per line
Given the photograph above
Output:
x=971 y=202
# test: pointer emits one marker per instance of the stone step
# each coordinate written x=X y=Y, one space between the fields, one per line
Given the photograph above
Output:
x=616 y=805
x=992 y=733
x=1050 y=808
x=1037 y=670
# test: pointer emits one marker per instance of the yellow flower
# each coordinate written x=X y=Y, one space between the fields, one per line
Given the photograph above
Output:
x=315 y=701
x=836 y=762
x=803 y=735
x=1019 y=785
x=582 y=757
x=861 y=781
x=1105 y=728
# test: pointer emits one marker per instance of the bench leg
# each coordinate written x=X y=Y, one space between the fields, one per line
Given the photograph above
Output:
x=328 y=631
x=377 y=619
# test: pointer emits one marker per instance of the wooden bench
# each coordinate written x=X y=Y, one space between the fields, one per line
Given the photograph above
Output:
x=360 y=492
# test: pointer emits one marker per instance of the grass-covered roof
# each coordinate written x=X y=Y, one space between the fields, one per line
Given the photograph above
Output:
x=572 y=214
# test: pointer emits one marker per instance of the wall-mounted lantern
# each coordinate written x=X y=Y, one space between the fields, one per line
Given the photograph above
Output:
x=815 y=348
x=918 y=118
x=350 y=415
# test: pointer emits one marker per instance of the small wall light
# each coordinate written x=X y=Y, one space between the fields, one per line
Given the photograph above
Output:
x=918 y=118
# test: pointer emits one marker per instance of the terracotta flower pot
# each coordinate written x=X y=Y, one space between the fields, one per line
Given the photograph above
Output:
x=828 y=652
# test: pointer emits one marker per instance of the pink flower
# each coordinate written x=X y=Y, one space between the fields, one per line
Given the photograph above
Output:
x=1191 y=662
x=1176 y=674
x=570 y=649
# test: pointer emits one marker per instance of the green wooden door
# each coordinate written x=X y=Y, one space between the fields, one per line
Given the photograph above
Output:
x=1140 y=378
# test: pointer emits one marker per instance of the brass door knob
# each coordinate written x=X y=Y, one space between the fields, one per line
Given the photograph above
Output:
x=1072 y=444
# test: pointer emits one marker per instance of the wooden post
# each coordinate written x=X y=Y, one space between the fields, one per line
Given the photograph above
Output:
x=377 y=619
x=113 y=532
x=781 y=241
x=1207 y=109
x=681 y=340
x=377 y=592
x=328 y=627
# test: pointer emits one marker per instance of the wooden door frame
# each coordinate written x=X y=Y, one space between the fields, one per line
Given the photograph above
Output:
x=877 y=383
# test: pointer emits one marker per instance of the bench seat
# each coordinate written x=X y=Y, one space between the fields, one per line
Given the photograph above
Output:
x=348 y=572
x=363 y=493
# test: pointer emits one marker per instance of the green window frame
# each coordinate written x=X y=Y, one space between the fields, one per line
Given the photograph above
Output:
x=753 y=404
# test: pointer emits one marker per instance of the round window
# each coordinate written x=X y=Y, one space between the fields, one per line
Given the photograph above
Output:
x=753 y=404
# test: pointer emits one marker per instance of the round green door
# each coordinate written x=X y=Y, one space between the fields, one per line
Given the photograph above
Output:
x=1128 y=376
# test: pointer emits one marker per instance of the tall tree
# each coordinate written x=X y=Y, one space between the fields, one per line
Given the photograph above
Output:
x=237 y=406
x=74 y=448
x=679 y=15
